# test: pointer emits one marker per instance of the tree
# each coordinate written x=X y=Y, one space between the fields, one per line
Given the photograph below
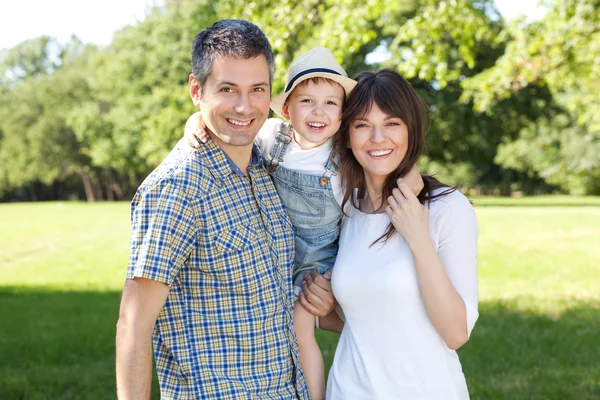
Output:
x=560 y=53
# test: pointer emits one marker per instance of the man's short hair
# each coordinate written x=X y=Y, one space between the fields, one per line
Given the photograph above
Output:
x=229 y=38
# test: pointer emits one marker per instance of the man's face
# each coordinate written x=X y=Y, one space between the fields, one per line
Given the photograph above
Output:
x=234 y=101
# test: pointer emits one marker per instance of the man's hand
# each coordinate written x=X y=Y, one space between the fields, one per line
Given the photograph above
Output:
x=316 y=296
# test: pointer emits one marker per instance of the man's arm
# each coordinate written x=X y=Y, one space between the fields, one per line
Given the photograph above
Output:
x=141 y=303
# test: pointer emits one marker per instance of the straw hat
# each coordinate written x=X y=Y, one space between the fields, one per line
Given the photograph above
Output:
x=316 y=62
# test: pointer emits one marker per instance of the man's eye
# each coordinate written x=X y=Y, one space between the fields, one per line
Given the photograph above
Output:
x=259 y=89
x=226 y=90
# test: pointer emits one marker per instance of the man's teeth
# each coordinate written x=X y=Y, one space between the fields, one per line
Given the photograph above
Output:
x=379 y=153
x=315 y=125
x=239 y=123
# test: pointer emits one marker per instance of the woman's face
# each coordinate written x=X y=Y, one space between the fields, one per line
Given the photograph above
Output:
x=379 y=142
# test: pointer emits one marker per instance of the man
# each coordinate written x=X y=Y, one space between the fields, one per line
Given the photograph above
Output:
x=209 y=276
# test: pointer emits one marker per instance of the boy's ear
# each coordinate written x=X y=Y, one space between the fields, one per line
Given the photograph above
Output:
x=286 y=110
x=195 y=90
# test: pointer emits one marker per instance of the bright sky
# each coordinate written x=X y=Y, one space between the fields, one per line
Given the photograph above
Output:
x=95 y=21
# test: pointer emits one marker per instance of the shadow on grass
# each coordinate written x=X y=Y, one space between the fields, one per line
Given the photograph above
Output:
x=60 y=345
x=524 y=355
x=517 y=355
x=57 y=345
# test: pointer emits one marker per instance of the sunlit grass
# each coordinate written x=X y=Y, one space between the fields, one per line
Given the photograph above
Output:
x=62 y=267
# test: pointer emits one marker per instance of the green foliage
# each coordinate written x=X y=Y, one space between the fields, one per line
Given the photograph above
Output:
x=559 y=52
x=105 y=117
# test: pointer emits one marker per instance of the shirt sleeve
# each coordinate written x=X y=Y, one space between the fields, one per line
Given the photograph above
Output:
x=457 y=234
x=163 y=232
x=266 y=136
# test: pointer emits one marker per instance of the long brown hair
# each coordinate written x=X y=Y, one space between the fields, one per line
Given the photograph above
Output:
x=396 y=97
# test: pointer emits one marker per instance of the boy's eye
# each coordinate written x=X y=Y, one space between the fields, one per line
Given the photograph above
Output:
x=306 y=101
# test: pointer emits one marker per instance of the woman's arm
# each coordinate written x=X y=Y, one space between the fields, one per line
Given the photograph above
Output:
x=332 y=322
x=452 y=312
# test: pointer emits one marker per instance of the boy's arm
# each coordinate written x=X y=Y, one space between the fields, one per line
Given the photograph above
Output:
x=195 y=130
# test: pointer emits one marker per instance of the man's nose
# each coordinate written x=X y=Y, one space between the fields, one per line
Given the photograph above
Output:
x=243 y=105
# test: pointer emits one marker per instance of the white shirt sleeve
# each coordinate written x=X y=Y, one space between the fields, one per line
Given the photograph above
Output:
x=266 y=136
x=455 y=233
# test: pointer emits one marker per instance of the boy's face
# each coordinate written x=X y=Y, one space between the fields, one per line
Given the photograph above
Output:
x=315 y=110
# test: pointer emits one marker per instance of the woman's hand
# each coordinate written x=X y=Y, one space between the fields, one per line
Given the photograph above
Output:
x=410 y=218
x=414 y=180
x=195 y=130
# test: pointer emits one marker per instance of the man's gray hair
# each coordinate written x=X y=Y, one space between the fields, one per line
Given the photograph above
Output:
x=229 y=38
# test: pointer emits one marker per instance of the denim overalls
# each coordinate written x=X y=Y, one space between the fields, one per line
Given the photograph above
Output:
x=312 y=208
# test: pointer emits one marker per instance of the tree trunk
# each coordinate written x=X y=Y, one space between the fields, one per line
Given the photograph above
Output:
x=87 y=185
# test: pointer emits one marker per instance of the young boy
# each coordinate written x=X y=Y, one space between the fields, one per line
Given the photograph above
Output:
x=300 y=159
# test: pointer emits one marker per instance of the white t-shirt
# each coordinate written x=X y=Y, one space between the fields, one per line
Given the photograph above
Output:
x=388 y=348
x=308 y=162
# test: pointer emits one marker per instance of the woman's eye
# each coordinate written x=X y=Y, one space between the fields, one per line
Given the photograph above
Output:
x=332 y=103
x=357 y=126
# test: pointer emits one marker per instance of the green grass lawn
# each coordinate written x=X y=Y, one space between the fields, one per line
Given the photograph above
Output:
x=62 y=267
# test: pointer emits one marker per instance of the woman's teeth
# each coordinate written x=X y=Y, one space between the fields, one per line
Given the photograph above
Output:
x=379 y=153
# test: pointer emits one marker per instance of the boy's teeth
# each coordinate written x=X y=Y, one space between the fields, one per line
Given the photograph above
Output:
x=316 y=125
x=379 y=153
x=239 y=123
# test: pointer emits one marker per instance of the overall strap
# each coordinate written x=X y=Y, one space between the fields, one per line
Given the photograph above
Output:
x=331 y=168
x=282 y=140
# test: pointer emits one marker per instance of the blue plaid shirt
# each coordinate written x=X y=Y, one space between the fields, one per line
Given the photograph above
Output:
x=224 y=244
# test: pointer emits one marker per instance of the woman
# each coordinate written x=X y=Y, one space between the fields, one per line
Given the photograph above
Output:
x=406 y=271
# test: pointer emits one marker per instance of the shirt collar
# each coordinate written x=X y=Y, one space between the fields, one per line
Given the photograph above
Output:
x=220 y=163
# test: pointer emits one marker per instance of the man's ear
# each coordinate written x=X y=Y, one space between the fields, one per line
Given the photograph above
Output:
x=195 y=90
x=286 y=110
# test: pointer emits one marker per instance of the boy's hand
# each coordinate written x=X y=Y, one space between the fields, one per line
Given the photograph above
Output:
x=195 y=130
x=413 y=180
x=316 y=296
